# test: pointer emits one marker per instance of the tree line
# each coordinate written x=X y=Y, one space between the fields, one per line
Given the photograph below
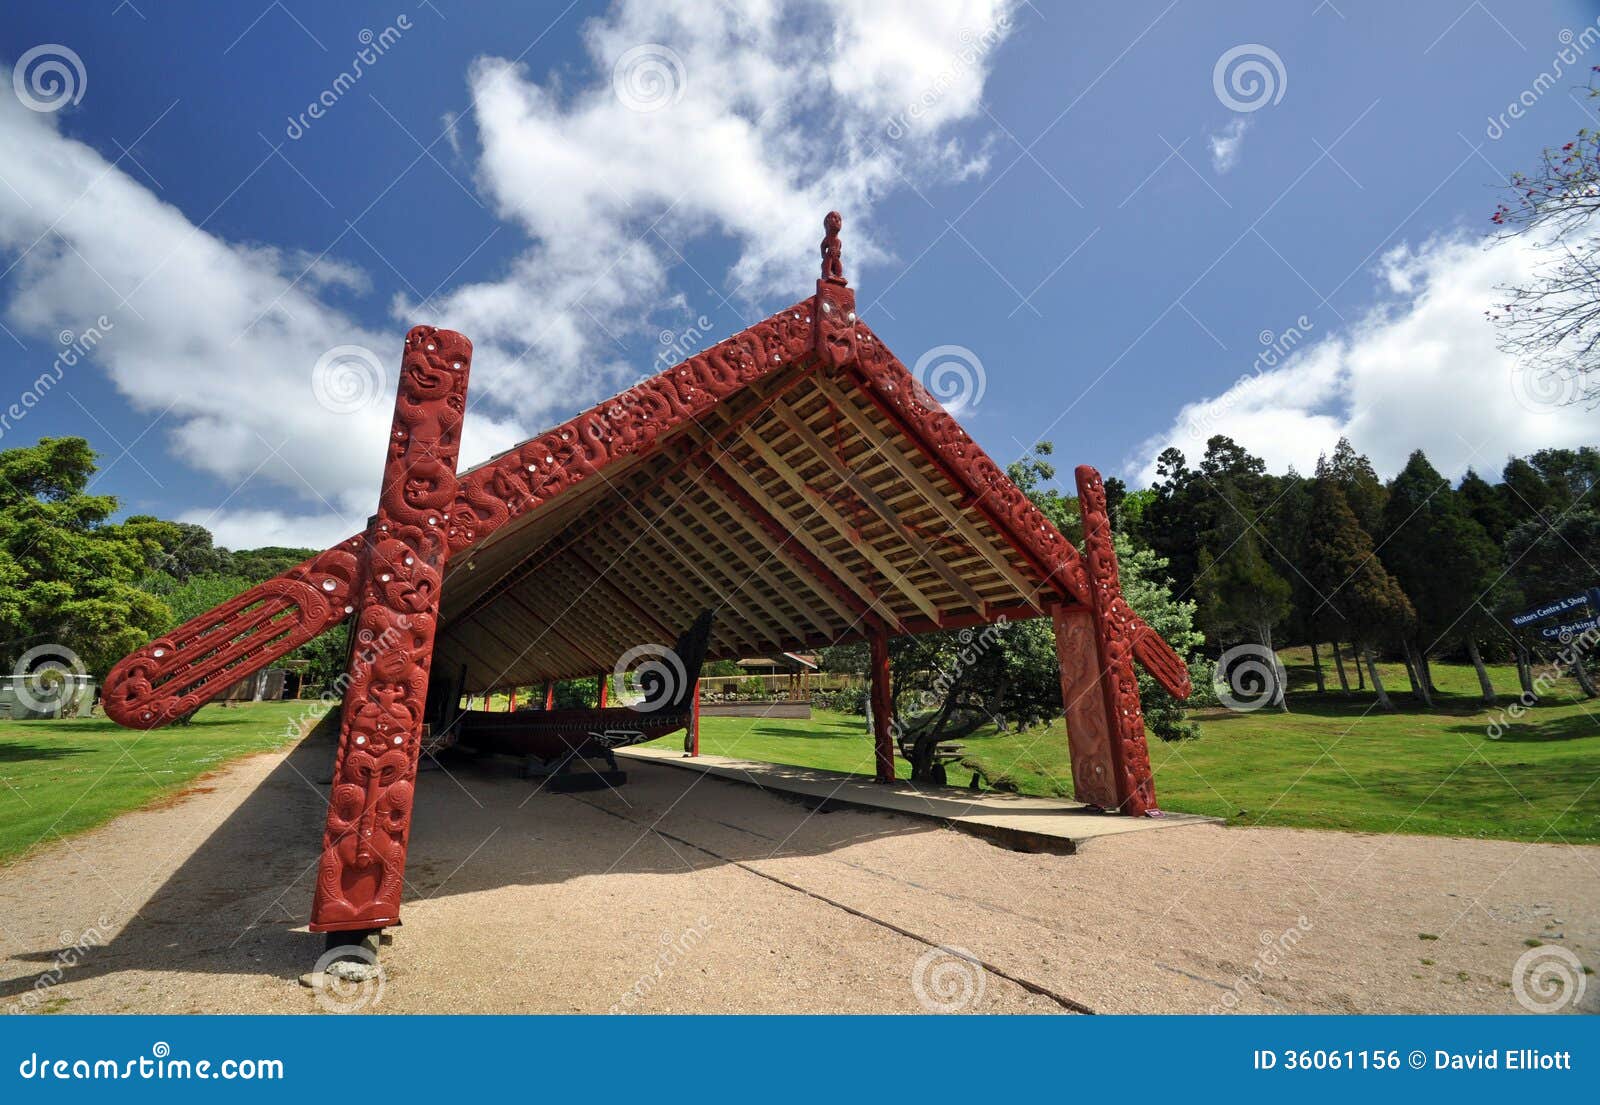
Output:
x=1416 y=568
x=72 y=578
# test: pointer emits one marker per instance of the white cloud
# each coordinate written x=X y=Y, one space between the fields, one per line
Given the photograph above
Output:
x=1421 y=370
x=749 y=138
x=784 y=112
x=214 y=338
x=1226 y=142
x=251 y=529
x=771 y=129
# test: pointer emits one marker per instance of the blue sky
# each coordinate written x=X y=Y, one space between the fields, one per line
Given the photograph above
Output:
x=1110 y=245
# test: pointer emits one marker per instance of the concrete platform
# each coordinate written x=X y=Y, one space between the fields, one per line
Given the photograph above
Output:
x=1053 y=825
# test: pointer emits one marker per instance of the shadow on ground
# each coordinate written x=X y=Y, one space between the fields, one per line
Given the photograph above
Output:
x=234 y=905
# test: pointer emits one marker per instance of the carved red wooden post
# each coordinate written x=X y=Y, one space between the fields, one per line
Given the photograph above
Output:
x=396 y=608
x=1088 y=728
x=1115 y=628
x=549 y=696
x=602 y=702
x=882 y=705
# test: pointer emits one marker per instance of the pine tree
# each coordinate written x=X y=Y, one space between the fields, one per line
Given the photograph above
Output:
x=1487 y=505
x=1444 y=562
x=1240 y=595
x=1354 y=475
x=1355 y=586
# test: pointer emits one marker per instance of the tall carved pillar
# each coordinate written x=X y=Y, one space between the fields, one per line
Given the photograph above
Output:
x=402 y=561
x=1083 y=699
x=1116 y=629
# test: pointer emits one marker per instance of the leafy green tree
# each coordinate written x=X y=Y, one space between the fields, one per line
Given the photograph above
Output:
x=69 y=571
x=183 y=550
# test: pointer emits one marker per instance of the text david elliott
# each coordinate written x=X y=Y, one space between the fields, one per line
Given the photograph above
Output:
x=1511 y=1058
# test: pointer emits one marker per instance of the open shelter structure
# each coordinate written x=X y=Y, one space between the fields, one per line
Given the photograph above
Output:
x=794 y=479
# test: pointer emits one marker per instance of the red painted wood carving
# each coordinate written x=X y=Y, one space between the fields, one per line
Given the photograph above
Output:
x=1089 y=730
x=1116 y=626
x=402 y=565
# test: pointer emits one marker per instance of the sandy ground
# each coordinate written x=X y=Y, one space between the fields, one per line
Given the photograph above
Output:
x=683 y=894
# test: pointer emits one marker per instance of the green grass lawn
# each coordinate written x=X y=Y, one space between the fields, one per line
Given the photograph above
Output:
x=62 y=777
x=1334 y=762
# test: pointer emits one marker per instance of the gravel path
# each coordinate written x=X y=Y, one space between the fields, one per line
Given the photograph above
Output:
x=682 y=894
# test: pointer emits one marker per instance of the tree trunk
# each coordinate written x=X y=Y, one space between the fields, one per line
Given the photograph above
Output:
x=1581 y=671
x=1483 y=673
x=1525 y=673
x=1417 y=673
x=1316 y=666
x=1280 y=693
x=1338 y=661
x=1365 y=652
x=1361 y=679
x=1425 y=669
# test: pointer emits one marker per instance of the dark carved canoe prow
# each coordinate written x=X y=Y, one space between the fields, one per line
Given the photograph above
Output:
x=559 y=735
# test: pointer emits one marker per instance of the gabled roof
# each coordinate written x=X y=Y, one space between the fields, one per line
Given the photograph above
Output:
x=794 y=478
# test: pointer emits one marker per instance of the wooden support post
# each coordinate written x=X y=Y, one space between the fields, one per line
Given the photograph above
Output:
x=1116 y=632
x=550 y=695
x=396 y=608
x=511 y=702
x=604 y=677
x=882 y=706
x=694 y=722
x=1088 y=732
